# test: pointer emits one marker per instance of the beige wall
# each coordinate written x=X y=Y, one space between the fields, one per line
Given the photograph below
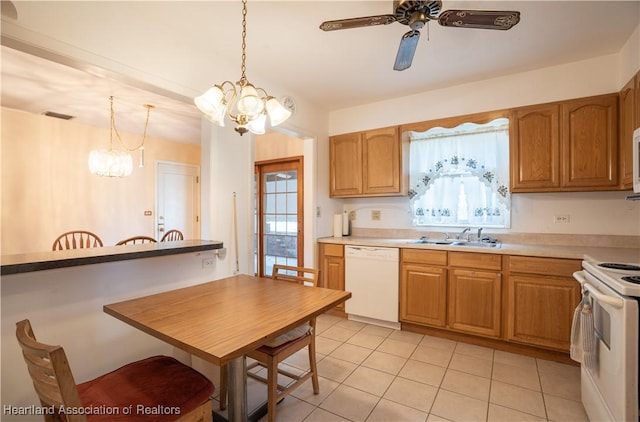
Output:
x=47 y=188
x=277 y=145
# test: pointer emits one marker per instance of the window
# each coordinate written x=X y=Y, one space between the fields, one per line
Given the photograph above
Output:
x=460 y=176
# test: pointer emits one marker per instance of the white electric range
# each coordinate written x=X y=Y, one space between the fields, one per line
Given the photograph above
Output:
x=610 y=381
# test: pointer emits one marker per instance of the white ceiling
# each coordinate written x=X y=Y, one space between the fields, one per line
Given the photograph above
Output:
x=188 y=40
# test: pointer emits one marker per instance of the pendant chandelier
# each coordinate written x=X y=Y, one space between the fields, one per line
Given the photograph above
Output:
x=245 y=104
x=115 y=162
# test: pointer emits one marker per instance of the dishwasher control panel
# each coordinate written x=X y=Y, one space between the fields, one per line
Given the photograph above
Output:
x=372 y=252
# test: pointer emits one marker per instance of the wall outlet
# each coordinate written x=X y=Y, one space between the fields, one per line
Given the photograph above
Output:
x=352 y=216
x=317 y=211
x=207 y=263
x=562 y=218
x=147 y=213
x=375 y=215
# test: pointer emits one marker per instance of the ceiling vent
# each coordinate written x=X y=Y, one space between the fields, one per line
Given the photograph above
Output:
x=58 y=115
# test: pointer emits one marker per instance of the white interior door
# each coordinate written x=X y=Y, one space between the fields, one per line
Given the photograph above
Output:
x=178 y=199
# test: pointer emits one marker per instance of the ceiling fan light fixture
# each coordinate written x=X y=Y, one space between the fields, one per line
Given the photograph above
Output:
x=242 y=102
x=417 y=13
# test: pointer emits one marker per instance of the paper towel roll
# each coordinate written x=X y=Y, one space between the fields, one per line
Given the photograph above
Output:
x=345 y=224
x=337 y=225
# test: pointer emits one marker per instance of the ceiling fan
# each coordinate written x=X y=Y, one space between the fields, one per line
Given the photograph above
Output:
x=416 y=13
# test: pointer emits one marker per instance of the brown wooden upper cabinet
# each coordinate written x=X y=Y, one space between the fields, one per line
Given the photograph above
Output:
x=565 y=146
x=629 y=120
x=368 y=163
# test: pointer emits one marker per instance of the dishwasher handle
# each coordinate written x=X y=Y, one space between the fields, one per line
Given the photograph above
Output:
x=372 y=252
x=367 y=248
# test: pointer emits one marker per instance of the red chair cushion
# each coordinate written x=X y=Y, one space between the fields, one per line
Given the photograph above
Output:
x=158 y=389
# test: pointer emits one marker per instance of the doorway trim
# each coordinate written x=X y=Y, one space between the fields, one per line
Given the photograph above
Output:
x=197 y=201
x=298 y=162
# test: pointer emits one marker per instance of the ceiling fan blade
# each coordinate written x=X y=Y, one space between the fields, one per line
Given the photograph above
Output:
x=406 y=50
x=482 y=19
x=357 y=22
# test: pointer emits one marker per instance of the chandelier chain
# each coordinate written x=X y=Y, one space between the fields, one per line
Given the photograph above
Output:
x=114 y=129
x=243 y=67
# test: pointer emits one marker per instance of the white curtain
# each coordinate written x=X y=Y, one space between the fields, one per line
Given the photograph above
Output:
x=460 y=176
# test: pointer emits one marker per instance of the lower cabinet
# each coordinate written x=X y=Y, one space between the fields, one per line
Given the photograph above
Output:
x=475 y=293
x=332 y=268
x=423 y=287
x=541 y=299
x=423 y=293
x=475 y=302
x=437 y=290
x=519 y=299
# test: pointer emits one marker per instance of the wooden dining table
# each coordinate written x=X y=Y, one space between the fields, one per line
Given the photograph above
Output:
x=220 y=321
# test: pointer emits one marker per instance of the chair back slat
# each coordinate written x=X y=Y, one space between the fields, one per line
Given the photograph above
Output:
x=172 y=235
x=300 y=275
x=76 y=239
x=137 y=240
x=49 y=371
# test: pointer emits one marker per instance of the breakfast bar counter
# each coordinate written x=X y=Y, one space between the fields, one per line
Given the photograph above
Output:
x=39 y=261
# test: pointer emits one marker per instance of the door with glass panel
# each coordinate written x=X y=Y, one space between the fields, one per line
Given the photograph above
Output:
x=279 y=216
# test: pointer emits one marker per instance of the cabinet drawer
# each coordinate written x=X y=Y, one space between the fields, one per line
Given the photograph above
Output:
x=333 y=250
x=424 y=257
x=544 y=266
x=475 y=260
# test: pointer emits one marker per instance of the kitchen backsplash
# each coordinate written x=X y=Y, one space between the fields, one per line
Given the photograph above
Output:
x=570 y=213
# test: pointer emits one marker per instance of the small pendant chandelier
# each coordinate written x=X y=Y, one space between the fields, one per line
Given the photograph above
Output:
x=114 y=162
x=245 y=104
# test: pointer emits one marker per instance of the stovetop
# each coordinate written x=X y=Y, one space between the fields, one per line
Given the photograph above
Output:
x=624 y=277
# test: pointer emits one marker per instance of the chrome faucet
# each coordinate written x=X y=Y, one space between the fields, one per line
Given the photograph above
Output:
x=459 y=236
x=479 y=234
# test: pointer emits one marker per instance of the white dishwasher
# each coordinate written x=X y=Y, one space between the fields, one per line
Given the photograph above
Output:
x=371 y=275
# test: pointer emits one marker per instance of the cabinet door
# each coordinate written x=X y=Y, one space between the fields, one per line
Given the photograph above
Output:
x=345 y=165
x=535 y=149
x=540 y=310
x=627 y=125
x=423 y=295
x=332 y=268
x=381 y=161
x=590 y=143
x=475 y=302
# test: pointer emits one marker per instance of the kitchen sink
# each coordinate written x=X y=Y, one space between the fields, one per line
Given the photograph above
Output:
x=486 y=242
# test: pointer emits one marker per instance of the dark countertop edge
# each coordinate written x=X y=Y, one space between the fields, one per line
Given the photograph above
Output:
x=149 y=251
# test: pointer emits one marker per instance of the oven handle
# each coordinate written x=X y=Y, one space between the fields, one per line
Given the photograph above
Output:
x=616 y=302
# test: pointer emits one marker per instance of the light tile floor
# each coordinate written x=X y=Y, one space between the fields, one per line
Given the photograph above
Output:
x=371 y=373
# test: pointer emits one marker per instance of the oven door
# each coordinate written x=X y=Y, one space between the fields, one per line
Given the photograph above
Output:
x=610 y=389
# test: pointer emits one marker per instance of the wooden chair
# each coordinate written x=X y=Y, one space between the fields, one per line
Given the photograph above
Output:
x=172 y=235
x=271 y=354
x=137 y=240
x=75 y=240
x=152 y=382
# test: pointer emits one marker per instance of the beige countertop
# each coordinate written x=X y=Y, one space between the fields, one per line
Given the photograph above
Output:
x=592 y=253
